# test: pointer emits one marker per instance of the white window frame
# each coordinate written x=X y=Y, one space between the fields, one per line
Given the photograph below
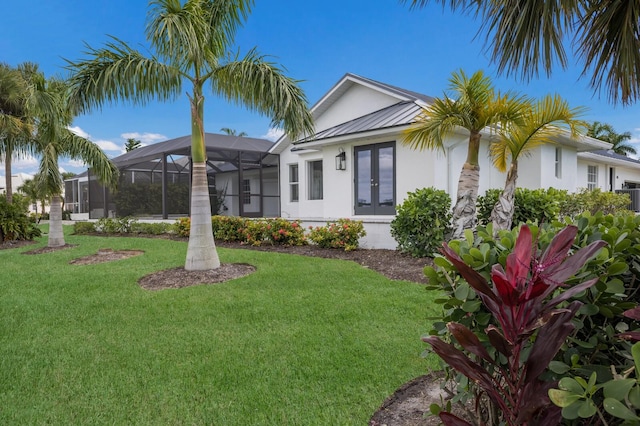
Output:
x=558 y=162
x=294 y=183
x=314 y=179
x=592 y=177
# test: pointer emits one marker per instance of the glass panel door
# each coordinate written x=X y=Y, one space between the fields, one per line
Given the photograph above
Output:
x=375 y=192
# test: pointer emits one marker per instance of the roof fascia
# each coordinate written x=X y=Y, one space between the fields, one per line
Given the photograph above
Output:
x=607 y=160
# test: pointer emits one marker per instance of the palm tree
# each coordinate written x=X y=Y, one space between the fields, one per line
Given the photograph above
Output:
x=476 y=108
x=605 y=132
x=191 y=43
x=16 y=122
x=132 y=144
x=34 y=193
x=542 y=122
x=54 y=139
x=528 y=35
x=233 y=132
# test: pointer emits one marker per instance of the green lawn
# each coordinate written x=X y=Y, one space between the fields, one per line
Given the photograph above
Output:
x=302 y=341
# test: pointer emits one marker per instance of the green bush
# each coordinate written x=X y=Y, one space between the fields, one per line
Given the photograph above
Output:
x=285 y=232
x=594 y=201
x=531 y=205
x=152 y=228
x=121 y=225
x=422 y=222
x=182 y=227
x=344 y=234
x=599 y=344
x=229 y=228
x=84 y=228
x=15 y=223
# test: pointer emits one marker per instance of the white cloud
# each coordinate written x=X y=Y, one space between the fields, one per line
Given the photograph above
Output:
x=78 y=131
x=144 y=138
x=108 y=145
x=273 y=134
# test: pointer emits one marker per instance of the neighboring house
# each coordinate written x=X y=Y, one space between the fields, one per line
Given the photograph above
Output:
x=17 y=180
x=355 y=165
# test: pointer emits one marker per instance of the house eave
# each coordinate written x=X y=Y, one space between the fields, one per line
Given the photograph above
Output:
x=607 y=160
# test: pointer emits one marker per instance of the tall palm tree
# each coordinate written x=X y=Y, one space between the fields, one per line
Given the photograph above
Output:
x=543 y=121
x=476 y=108
x=528 y=35
x=53 y=140
x=192 y=44
x=606 y=132
x=16 y=123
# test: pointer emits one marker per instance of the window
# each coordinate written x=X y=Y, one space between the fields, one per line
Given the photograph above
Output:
x=246 y=191
x=558 y=162
x=315 y=180
x=293 y=183
x=592 y=177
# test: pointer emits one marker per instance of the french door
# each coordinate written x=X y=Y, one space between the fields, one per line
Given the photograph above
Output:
x=375 y=179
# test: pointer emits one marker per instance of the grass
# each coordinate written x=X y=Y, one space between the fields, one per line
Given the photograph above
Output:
x=302 y=341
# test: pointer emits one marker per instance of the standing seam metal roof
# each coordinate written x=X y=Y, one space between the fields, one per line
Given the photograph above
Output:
x=395 y=115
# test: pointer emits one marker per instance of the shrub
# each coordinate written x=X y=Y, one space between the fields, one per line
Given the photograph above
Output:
x=152 y=228
x=284 y=232
x=529 y=324
x=182 y=227
x=344 y=233
x=422 y=222
x=598 y=343
x=115 y=226
x=531 y=205
x=229 y=228
x=84 y=228
x=15 y=223
x=594 y=201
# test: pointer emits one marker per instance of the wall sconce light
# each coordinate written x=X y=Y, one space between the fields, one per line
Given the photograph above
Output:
x=341 y=160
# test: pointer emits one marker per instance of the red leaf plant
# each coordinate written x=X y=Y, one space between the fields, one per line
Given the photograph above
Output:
x=524 y=300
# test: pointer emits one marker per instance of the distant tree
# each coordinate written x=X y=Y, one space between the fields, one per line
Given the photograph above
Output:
x=528 y=35
x=34 y=193
x=132 y=144
x=232 y=132
x=192 y=43
x=605 y=132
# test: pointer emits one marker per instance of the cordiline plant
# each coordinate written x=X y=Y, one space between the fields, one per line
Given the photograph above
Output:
x=530 y=303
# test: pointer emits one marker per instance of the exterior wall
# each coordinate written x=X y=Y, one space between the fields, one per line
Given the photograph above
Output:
x=582 y=168
x=355 y=102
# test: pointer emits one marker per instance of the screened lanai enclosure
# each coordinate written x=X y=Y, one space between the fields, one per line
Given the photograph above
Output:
x=155 y=181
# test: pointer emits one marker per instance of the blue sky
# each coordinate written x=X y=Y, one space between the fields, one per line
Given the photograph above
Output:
x=316 y=41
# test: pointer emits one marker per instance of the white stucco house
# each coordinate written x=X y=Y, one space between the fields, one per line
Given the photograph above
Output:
x=355 y=165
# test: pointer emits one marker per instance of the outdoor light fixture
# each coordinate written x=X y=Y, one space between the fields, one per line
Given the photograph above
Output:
x=341 y=160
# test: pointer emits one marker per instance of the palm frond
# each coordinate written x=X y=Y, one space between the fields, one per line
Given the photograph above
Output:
x=179 y=34
x=541 y=124
x=524 y=36
x=79 y=148
x=225 y=17
x=608 y=43
x=435 y=124
x=261 y=86
x=118 y=72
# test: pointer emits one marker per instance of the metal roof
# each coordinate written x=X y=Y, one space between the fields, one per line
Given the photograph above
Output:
x=395 y=115
x=219 y=147
x=610 y=154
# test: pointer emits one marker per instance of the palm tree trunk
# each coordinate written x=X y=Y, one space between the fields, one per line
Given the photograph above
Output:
x=7 y=172
x=201 y=250
x=56 y=236
x=464 y=212
x=502 y=213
